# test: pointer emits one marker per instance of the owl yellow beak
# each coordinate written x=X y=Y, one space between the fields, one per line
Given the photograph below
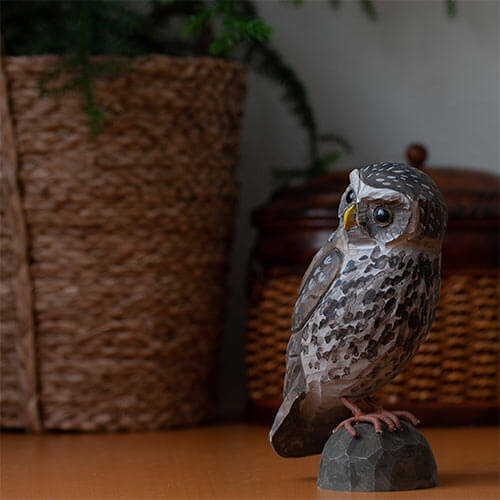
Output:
x=350 y=217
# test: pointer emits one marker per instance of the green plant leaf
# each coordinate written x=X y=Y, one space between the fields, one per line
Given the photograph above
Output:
x=81 y=29
x=321 y=165
x=368 y=7
x=323 y=162
x=451 y=8
x=96 y=116
x=336 y=139
x=289 y=174
x=268 y=62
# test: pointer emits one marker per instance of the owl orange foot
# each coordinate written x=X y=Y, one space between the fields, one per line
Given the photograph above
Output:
x=376 y=418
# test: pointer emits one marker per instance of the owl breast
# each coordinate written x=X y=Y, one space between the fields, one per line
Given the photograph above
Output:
x=371 y=321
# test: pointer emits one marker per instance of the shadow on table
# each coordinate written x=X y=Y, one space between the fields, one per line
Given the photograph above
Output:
x=308 y=479
x=452 y=479
x=468 y=479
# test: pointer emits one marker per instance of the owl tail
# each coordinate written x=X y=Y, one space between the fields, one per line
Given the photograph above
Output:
x=301 y=427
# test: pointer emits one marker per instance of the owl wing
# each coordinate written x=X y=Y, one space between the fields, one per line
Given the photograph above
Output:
x=320 y=274
x=318 y=277
x=288 y=435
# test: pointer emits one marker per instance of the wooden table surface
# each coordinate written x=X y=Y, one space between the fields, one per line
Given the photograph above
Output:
x=220 y=462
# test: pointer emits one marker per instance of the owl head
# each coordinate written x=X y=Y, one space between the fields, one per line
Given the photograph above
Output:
x=389 y=202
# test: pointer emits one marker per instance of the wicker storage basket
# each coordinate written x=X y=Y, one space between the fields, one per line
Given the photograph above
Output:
x=114 y=250
x=456 y=367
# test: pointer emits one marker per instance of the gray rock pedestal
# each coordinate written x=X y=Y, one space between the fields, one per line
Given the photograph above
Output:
x=391 y=461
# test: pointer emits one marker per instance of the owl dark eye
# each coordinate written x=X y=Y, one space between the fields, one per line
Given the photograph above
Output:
x=350 y=196
x=382 y=216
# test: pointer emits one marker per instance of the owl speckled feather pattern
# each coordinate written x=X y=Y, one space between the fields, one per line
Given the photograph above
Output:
x=365 y=304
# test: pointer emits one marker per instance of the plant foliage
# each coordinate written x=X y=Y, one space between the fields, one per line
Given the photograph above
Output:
x=80 y=29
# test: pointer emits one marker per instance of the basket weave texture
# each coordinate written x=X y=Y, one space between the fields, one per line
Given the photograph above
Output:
x=126 y=245
x=457 y=363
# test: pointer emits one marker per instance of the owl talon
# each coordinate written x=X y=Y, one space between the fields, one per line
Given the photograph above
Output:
x=371 y=418
x=390 y=418
x=393 y=415
x=391 y=424
x=407 y=415
x=396 y=424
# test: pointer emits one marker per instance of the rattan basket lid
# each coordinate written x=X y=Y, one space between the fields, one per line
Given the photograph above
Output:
x=469 y=194
x=297 y=220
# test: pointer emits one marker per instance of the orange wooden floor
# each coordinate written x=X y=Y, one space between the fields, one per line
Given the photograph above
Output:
x=220 y=462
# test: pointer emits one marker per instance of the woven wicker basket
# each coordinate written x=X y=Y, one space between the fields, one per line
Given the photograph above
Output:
x=114 y=250
x=457 y=366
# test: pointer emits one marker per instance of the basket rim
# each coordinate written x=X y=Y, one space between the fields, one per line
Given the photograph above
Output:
x=189 y=60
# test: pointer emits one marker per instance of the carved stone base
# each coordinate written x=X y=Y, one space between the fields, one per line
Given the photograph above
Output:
x=391 y=461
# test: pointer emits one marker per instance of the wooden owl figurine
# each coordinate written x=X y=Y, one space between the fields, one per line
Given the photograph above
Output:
x=365 y=304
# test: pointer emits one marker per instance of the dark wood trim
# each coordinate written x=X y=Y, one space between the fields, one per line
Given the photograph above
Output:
x=430 y=414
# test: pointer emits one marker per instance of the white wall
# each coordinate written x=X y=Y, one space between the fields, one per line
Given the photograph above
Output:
x=412 y=75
